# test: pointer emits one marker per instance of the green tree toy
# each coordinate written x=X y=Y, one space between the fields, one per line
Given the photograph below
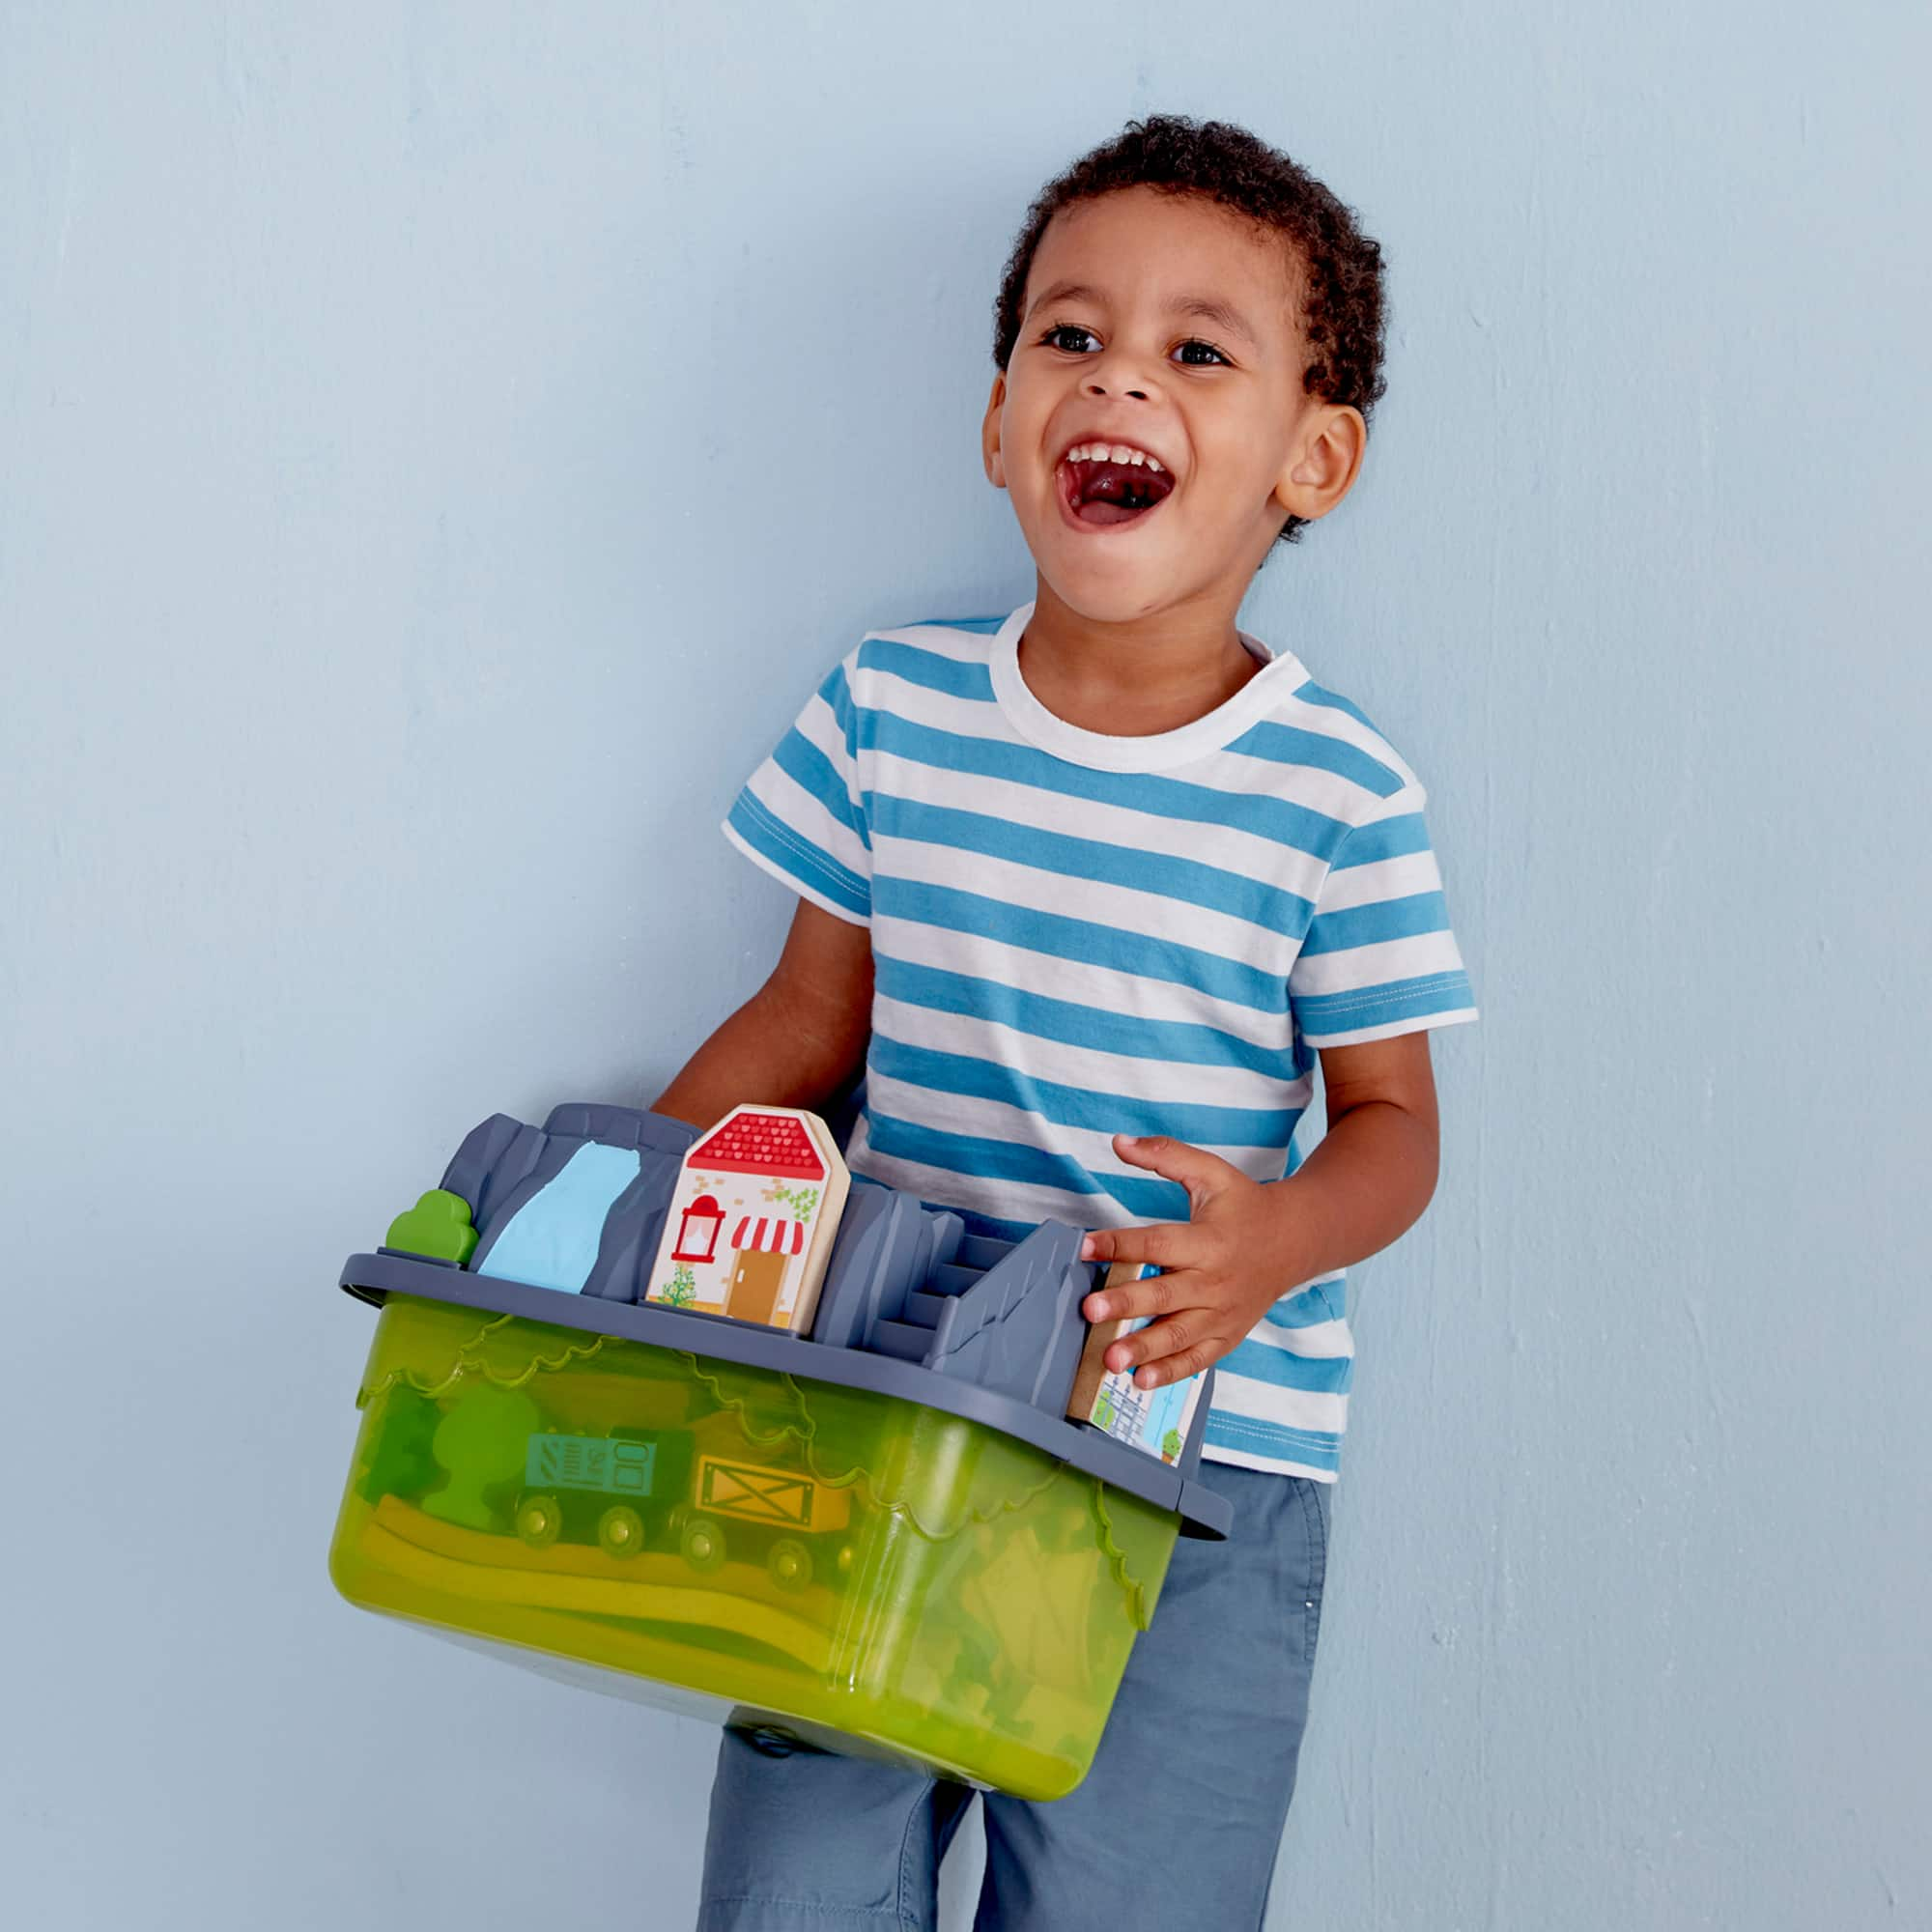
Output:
x=438 y=1226
x=481 y=1442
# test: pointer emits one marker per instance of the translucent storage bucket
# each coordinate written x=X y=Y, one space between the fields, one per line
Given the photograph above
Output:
x=849 y=1569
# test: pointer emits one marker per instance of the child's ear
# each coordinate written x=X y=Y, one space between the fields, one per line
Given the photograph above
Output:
x=1325 y=463
x=989 y=434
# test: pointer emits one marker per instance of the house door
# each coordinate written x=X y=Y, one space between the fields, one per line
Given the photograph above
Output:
x=752 y=1294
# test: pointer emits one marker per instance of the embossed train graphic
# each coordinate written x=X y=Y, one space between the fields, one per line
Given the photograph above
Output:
x=494 y=1464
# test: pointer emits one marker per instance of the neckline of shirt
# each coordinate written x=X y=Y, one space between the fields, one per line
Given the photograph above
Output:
x=1212 y=731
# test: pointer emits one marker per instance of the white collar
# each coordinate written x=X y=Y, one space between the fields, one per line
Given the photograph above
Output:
x=1281 y=672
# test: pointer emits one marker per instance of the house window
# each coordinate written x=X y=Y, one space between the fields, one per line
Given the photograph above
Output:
x=698 y=1231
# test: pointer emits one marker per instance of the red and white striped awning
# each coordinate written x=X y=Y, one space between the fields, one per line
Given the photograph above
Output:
x=769 y=1233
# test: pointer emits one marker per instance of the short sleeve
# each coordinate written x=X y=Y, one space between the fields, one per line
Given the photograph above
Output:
x=801 y=814
x=1380 y=958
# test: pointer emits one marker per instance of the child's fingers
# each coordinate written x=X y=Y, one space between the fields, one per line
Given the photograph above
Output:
x=1155 y=1296
x=1164 y=1243
x=1167 y=1351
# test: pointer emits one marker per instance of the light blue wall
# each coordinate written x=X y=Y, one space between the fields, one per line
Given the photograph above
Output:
x=438 y=448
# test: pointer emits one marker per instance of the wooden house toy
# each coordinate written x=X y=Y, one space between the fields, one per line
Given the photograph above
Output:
x=753 y=1219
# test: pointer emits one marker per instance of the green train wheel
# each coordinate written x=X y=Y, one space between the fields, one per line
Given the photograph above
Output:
x=621 y=1531
x=539 y=1521
x=701 y=1543
x=789 y=1563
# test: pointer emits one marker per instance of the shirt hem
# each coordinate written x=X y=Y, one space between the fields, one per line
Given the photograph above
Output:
x=1390 y=1028
x=803 y=888
x=1269 y=1465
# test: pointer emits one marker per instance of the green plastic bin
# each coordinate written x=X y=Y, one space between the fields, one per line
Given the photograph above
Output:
x=848 y=1569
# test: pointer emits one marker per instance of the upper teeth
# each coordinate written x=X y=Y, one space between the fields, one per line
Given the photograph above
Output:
x=1109 y=452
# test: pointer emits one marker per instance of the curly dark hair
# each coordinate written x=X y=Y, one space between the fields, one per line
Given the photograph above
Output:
x=1343 y=315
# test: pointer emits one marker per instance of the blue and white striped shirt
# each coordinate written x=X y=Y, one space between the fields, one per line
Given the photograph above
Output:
x=1076 y=935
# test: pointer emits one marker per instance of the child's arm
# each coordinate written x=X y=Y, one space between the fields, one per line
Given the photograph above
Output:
x=1248 y=1243
x=1374 y=1170
x=798 y=1040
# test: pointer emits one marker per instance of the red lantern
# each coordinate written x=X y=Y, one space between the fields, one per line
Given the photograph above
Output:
x=698 y=1231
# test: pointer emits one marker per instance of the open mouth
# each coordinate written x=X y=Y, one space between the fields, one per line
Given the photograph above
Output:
x=1099 y=491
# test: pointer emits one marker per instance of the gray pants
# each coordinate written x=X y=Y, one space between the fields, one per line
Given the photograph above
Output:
x=1177 y=1825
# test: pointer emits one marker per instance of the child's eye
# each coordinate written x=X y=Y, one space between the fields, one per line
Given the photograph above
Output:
x=1063 y=329
x=1195 y=342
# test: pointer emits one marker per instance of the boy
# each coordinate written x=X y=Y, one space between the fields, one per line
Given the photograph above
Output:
x=1110 y=865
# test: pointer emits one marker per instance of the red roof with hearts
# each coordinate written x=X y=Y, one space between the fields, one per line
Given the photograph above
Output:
x=755 y=1143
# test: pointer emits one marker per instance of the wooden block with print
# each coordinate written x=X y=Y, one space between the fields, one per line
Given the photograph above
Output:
x=753 y=1219
x=1154 y=1421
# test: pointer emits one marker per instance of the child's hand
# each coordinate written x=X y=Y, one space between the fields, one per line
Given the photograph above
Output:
x=1223 y=1267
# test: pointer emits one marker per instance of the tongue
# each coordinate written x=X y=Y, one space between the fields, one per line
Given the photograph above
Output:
x=1099 y=483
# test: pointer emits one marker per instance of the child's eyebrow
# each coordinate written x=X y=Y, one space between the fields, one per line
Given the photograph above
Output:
x=1208 y=308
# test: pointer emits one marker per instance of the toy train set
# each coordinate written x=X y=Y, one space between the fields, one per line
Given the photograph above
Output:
x=856 y=1515
x=492 y=1463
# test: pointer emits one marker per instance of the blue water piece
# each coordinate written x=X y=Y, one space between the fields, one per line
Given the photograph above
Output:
x=552 y=1241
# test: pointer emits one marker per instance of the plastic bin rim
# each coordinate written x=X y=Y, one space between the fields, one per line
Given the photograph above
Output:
x=1204 y=1512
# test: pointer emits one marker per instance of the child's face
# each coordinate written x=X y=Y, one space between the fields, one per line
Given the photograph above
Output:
x=1106 y=352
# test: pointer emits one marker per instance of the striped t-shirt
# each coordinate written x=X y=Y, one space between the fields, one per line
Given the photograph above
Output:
x=1076 y=935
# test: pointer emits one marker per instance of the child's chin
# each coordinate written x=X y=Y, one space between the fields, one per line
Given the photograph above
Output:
x=1115 y=594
